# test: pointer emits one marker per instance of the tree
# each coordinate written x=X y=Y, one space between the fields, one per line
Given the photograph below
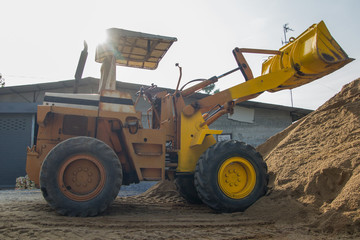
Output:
x=208 y=89
x=2 y=81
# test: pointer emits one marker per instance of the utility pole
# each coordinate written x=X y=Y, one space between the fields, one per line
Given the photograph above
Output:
x=286 y=29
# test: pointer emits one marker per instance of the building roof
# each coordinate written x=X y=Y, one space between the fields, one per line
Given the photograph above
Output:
x=296 y=113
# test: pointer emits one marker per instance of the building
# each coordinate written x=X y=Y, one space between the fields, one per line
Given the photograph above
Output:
x=252 y=122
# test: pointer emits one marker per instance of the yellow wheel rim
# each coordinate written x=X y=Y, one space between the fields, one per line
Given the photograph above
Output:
x=236 y=177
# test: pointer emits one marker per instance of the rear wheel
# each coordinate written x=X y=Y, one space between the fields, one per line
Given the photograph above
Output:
x=80 y=176
x=186 y=188
x=230 y=176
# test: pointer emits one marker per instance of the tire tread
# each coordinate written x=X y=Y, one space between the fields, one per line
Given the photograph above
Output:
x=57 y=200
x=204 y=176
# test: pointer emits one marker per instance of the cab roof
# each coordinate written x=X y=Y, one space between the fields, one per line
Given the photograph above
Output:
x=134 y=49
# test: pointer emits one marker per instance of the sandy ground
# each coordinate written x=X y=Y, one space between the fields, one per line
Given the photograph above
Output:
x=314 y=168
x=25 y=215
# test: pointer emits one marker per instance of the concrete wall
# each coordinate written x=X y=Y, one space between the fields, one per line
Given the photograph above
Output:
x=266 y=124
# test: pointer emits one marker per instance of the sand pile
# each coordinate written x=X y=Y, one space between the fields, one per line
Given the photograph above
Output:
x=316 y=162
x=160 y=193
x=314 y=170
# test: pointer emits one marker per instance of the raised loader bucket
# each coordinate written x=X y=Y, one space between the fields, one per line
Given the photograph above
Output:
x=312 y=55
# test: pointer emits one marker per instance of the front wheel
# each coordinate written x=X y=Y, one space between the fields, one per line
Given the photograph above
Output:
x=80 y=176
x=230 y=176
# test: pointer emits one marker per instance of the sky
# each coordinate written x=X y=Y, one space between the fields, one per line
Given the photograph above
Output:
x=41 y=41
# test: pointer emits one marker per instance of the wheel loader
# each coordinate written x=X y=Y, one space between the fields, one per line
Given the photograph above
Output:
x=88 y=145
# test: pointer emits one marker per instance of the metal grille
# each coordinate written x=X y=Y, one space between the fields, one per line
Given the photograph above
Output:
x=15 y=137
x=12 y=124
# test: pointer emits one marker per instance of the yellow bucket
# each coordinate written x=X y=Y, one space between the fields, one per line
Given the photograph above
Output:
x=312 y=55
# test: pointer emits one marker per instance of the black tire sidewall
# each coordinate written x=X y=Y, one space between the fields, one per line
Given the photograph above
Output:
x=212 y=160
x=186 y=188
x=56 y=158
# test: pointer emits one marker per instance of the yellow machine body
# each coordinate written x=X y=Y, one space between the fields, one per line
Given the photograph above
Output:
x=194 y=141
x=312 y=55
x=66 y=162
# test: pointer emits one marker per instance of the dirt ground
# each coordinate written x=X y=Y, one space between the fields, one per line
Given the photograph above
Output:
x=151 y=216
x=314 y=168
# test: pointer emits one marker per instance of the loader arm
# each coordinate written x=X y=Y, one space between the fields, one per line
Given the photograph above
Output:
x=312 y=55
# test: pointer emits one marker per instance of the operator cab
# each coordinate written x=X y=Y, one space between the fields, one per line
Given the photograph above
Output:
x=124 y=48
x=129 y=49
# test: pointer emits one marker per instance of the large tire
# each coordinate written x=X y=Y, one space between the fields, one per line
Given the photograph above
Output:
x=80 y=176
x=186 y=188
x=230 y=176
